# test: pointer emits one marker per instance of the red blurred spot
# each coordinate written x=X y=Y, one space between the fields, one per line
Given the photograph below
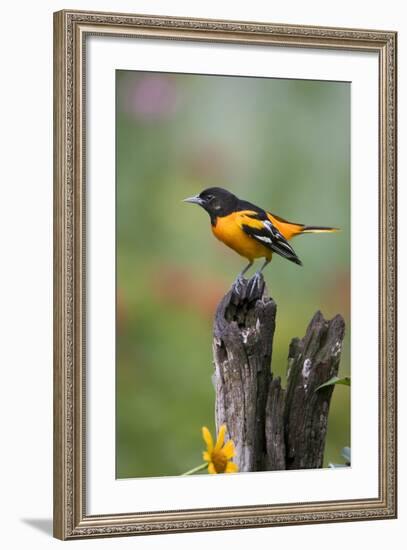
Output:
x=183 y=288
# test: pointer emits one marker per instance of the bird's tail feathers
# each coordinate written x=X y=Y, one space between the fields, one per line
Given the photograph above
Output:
x=318 y=229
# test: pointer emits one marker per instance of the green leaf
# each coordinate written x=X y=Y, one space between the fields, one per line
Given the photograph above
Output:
x=335 y=380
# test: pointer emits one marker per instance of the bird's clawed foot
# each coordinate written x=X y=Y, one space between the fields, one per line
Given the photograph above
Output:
x=255 y=287
x=251 y=289
x=239 y=286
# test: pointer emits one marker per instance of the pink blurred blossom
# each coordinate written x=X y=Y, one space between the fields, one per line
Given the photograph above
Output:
x=151 y=97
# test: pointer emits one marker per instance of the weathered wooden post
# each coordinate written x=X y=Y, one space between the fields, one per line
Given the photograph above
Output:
x=243 y=340
x=273 y=428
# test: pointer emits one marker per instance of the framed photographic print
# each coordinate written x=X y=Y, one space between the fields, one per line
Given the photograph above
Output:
x=225 y=274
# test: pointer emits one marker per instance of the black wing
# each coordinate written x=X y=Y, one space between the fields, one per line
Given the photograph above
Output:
x=270 y=236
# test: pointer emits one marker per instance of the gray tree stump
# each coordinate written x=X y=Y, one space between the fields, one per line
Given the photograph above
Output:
x=272 y=428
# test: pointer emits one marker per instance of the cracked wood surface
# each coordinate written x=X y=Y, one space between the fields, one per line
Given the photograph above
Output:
x=272 y=428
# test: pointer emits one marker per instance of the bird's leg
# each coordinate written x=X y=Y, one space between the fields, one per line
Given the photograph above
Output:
x=238 y=284
x=266 y=262
x=249 y=265
x=257 y=281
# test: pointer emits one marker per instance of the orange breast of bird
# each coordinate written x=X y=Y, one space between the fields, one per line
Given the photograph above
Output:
x=228 y=229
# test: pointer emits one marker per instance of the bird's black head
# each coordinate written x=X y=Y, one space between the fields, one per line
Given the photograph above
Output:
x=216 y=201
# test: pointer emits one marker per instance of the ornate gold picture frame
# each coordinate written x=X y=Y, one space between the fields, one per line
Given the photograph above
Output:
x=71 y=31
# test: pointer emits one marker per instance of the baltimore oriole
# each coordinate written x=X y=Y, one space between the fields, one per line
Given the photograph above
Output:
x=249 y=230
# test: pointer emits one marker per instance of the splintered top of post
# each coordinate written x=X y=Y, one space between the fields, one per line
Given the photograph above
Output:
x=247 y=302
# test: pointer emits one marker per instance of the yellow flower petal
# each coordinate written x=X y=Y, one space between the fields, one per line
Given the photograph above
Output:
x=211 y=468
x=229 y=449
x=206 y=456
x=206 y=434
x=221 y=437
x=231 y=467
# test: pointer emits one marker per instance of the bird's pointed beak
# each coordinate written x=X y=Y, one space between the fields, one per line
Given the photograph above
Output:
x=194 y=200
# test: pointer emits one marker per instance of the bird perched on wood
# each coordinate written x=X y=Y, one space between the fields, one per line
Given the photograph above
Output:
x=249 y=230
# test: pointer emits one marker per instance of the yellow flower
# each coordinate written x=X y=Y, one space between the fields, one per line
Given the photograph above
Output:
x=219 y=455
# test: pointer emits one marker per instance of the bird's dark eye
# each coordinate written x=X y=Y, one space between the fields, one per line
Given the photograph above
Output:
x=210 y=198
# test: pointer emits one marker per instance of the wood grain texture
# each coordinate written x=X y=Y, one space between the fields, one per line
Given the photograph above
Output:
x=272 y=428
x=312 y=361
x=242 y=346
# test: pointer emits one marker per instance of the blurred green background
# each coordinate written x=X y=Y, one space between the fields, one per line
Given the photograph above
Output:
x=282 y=144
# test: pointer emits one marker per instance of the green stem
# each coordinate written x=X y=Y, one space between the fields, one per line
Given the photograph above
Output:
x=197 y=469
